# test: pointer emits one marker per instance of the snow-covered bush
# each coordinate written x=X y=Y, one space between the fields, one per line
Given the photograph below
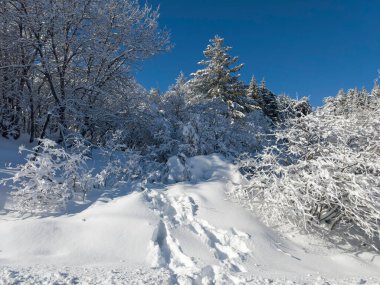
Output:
x=291 y=108
x=50 y=177
x=123 y=165
x=219 y=132
x=323 y=172
x=210 y=125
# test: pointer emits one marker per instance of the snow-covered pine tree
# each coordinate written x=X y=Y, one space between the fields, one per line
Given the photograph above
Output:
x=363 y=97
x=179 y=86
x=269 y=102
x=217 y=79
x=352 y=94
x=262 y=84
x=341 y=102
x=376 y=89
x=253 y=91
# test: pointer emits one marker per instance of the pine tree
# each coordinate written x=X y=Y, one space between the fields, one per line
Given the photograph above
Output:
x=351 y=100
x=262 y=84
x=253 y=91
x=363 y=99
x=268 y=101
x=217 y=79
x=155 y=92
x=341 y=102
x=270 y=105
x=375 y=93
x=180 y=82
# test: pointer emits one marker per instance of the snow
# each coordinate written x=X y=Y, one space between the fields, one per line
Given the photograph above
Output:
x=181 y=233
x=176 y=170
x=9 y=154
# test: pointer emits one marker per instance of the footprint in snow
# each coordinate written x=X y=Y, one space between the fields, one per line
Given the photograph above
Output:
x=228 y=246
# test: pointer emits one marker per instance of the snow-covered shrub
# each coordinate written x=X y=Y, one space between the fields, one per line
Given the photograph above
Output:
x=137 y=118
x=210 y=126
x=50 y=177
x=191 y=140
x=323 y=172
x=123 y=165
x=291 y=108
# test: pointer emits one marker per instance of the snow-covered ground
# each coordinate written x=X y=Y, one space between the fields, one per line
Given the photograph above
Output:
x=182 y=233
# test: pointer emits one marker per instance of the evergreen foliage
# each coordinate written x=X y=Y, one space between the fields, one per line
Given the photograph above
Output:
x=217 y=79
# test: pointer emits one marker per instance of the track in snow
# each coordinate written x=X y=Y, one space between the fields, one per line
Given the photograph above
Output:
x=227 y=246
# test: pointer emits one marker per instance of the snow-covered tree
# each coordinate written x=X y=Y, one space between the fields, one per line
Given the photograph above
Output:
x=289 y=108
x=269 y=103
x=253 y=90
x=217 y=79
x=263 y=84
x=213 y=111
x=375 y=93
x=263 y=97
x=352 y=101
x=70 y=55
x=174 y=100
x=341 y=102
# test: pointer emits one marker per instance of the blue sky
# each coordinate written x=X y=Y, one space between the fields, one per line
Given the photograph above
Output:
x=301 y=48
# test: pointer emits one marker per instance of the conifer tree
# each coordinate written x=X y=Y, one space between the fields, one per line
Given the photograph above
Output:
x=268 y=101
x=375 y=93
x=217 y=79
x=341 y=102
x=253 y=91
x=363 y=97
x=262 y=84
x=351 y=99
x=180 y=82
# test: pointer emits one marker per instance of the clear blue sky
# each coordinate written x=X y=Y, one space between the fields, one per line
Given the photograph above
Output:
x=302 y=48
